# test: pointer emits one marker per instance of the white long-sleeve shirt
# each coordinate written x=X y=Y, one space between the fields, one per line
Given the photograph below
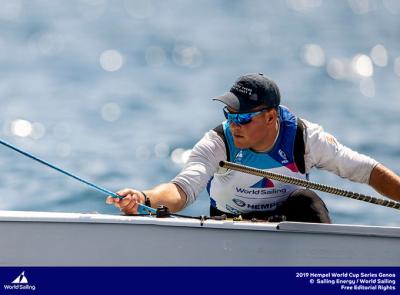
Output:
x=322 y=151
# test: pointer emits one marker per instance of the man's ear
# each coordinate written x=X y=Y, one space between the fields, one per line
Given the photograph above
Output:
x=270 y=116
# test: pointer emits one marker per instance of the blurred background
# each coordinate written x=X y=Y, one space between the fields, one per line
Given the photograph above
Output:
x=119 y=91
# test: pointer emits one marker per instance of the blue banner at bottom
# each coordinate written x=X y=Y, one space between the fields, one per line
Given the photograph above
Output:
x=206 y=280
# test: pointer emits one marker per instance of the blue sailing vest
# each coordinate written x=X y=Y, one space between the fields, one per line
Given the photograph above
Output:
x=237 y=193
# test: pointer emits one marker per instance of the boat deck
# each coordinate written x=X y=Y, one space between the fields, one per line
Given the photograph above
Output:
x=68 y=239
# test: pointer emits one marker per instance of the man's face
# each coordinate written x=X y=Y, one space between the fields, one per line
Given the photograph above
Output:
x=255 y=135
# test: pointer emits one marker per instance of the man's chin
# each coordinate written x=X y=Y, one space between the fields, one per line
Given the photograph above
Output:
x=240 y=144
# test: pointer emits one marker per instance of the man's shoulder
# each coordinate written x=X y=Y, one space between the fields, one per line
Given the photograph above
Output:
x=309 y=127
x=211 y=138
x=219 y=130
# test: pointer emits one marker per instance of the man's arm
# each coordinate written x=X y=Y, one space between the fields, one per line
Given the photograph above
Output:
x=385 y=182
x=184 y=188
x=167 y=194
x=323 y=151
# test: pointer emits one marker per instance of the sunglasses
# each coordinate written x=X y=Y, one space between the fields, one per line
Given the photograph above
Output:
x=241 y=118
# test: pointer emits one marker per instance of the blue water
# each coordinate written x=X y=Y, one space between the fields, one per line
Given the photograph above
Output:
x=116 y=117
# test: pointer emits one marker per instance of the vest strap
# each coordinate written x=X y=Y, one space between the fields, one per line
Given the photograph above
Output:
x=220 y=131
x=299 y=146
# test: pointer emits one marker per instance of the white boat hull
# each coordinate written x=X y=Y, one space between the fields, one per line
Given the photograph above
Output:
x=69 y=239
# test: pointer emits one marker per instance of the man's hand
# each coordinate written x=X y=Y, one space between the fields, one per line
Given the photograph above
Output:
x=129 y=203
x=167 y=194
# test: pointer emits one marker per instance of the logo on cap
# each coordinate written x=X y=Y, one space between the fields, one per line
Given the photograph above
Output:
x=242 y=89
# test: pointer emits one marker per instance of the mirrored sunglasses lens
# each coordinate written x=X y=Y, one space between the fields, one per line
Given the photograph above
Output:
x=239 y=119
x=244 y=118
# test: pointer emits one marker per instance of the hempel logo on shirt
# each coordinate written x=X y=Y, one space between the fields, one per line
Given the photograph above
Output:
x=20 y=283
x=266 y=206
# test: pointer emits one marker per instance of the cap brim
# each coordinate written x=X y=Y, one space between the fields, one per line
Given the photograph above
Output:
x=230 y=99
x=237 y=103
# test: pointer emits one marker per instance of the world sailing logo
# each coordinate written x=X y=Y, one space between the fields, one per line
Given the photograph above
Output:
x=263 y=183
x=21 y=279
x=20 y=283
x=239 y=157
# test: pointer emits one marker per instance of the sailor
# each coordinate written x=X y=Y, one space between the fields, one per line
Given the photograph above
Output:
x=261 y=133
